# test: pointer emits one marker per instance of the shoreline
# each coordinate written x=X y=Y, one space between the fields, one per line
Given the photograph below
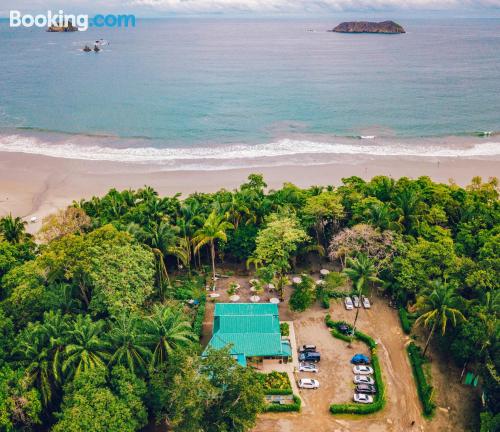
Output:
x=34 y=185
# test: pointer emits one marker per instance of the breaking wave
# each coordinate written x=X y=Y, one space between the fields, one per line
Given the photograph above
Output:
x=242 y=155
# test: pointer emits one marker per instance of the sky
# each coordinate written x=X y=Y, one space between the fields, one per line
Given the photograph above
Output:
x=252 y=7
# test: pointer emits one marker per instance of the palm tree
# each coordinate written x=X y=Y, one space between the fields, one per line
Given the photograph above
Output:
x=166 y=330
x=86 y=347
x=40 y=348
x=12 y=228
x=361 y=271
x=129 y=344
x=213 y=229
x=162 y=239
x=436 y=307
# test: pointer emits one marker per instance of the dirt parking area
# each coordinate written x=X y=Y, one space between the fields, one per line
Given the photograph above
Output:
x=335 y=376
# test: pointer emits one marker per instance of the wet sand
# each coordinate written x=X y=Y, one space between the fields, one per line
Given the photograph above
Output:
x=33 y=185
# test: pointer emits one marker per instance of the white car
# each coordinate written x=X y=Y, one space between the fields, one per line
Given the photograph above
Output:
x=362 y=370
x=363 y=379
x=362 y=398
x=355 y=300
x=308 y=367
x=366 y=302
x=348 y=303
x=307 y=383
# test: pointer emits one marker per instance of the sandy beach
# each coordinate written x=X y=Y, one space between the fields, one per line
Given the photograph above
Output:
x=33 y=185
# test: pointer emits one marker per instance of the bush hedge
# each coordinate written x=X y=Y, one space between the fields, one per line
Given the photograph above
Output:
x=285 y=329
x=274 y=407
x=423 y=387
x=405 y=322
x=199 y=317
x=276 y=391
x=379 y=402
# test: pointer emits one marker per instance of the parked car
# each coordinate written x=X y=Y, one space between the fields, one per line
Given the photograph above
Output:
x=366 y=302
x=309 y=357
x=363 y=379
x=362 y=370
x=308 y=348
x=308 y=367
x=307 y=383
x=355 y=300
x=348 y=303
x=345 y=329
x=366 y=388
x=362 y=398
x=360 y=359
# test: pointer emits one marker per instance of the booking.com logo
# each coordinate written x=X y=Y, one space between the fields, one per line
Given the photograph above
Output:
x=81 y=22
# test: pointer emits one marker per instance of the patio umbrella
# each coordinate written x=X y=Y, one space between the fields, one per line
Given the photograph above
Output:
x=320 y=282
x=271 y=286
x=274 y=300
x=297 y=280
x=253 y=281
x=324 y=272
x=254 y=299
x=234 y=298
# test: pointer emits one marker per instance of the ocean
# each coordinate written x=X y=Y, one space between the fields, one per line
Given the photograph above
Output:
x=212 y=93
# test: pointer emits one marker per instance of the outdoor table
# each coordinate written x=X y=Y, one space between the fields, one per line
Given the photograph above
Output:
x=234 y=298
x=254 y=299
x=274 y=300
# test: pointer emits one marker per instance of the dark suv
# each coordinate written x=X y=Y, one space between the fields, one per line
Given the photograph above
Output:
x=310 y=356
x=366 y=389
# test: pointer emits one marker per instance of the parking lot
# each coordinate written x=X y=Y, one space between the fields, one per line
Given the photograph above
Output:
x=335 y=375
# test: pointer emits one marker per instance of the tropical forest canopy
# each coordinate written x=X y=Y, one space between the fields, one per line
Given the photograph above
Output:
x=96 y=333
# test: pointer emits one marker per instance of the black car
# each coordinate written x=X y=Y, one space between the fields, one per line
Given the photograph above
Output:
x=308 y=348
x=309 y=356
x=345 y=329
x=366 y=389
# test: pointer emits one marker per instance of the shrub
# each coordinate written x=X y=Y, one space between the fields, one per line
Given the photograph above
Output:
x=275 y=381
x=405 y=322
x=423 y=387
x=199 y=317
x=274 y=407
x=379 y=402
x=285 y=329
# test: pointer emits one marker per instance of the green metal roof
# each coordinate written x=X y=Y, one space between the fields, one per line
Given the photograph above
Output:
x=250 y=329
x=246 y=309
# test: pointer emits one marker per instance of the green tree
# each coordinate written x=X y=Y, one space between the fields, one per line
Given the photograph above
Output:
x=129 y=346
x=86 y=348
x=93 y=402
x=213 y=229
x=361 y=271
x=13 y=228
x=437 y=306
x=303 y=295
x=323 y=209
x=20 y=406
x=238 y=395
x=167 y=329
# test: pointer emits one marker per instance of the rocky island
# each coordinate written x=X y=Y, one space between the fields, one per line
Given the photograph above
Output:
x=386 y=27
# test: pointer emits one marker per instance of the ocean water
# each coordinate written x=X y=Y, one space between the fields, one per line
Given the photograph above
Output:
x=212 y=93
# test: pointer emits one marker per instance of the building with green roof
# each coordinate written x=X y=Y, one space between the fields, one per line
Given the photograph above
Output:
x=252 y=330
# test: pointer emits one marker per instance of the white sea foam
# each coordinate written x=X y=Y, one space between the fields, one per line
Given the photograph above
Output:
x=241 y=155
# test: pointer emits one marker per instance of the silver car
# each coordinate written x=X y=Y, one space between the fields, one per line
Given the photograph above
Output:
x=355 y=300
x=307 y=383
x=308 y=367
x=366 y=302
x=362 y=398
x=362 y=370
x=348 y=303
x=363 y=379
